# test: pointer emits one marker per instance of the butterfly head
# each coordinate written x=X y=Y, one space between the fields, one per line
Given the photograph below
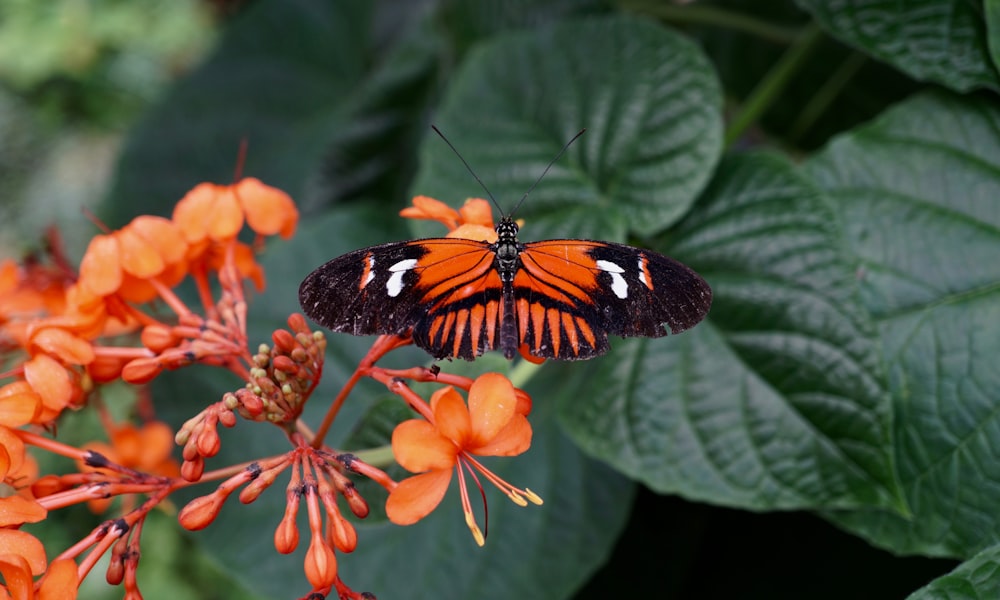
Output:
x=507 y=230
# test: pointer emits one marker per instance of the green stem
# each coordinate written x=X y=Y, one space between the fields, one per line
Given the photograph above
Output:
x=698 y=14
x=761 y=98
x=380 y=456
x=825 y=96
x=522 y=373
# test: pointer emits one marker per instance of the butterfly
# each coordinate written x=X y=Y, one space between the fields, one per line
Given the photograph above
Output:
x=461 y=297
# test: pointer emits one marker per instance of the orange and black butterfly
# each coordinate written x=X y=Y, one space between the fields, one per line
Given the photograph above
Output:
x=556 y=298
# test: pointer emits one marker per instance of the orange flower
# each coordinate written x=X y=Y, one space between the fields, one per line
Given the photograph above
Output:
x=147 y=448
x=22 y=557
x=57 y=386
x=489 y=426
x=30 y=290
x=121 y=261
x=19 y=405
x=474 y=221
x=18 y=469
x=216 y=212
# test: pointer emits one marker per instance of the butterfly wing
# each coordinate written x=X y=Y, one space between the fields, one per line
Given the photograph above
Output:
x=446 y=289
x=569 y=294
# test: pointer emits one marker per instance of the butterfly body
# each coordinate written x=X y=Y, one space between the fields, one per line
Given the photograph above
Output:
x=557 y=298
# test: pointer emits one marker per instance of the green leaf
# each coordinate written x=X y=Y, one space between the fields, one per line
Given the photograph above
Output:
x=918 y=196
x=647 y=96
x=471 y=21
x=374 y=153
x=373 y=431
x=777 y=401
x=992 y=12
x=942 y=41
x=976 y=579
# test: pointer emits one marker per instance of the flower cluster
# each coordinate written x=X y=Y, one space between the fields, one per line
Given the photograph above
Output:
x=66 y=333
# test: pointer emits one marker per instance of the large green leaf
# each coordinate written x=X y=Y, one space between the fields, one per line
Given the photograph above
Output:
x=976 y=579
x=918 y=197
x=943 y=41
x=647 y=96
x=778 y=400
x=992 y=10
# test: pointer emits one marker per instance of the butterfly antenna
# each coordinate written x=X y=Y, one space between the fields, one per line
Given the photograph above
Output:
x=552 y=162
x=468 y=168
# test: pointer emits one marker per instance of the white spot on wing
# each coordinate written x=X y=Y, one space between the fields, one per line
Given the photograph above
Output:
x=395 y=283
x=618 y=284
x=642 y=271
x=371 y=271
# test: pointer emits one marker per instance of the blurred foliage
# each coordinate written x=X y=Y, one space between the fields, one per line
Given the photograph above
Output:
x=98 y=61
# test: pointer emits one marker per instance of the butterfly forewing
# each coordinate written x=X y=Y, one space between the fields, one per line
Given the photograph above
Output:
x=432 y=285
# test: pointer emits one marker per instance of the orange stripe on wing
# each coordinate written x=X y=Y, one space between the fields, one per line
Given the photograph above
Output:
x=476 y=314
x=570 y=328
x=588 y=333
x=461 y=318
x=644 y=265
x=492 y=318
x=366 y=275
x=523 y=318
x=446 y=330
x=432 y=334
x=553 y=324
x=537 y=323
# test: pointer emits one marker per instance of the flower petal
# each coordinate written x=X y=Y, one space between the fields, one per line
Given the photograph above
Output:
x=268 y=210
x=477 y=233
x=477 y=211
x=192 y=212
x=60 y=582
x=16 y=510
x=512 y=440
x=492 y=403
x=209 y=211
x=12 y=459
x=419 y=447
x=139 y=257
x=18 y=406
x=415 y=497
x=49 y=380
x=26 y=546
x=63 y=344
x=227 y=214
x=425 y=207
x=17 y=579
x=451 y=416
x=163 y=235
x=100 y=269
